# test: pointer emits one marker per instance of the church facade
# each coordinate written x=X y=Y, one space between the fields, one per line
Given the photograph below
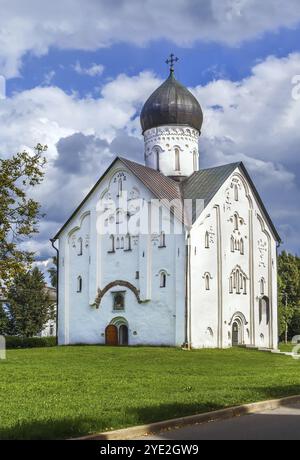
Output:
x=166 y=253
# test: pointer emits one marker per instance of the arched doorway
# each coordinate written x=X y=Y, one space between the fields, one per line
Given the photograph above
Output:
x=111 y=335
x=117 y=332
x=123 y=335
x=236 y=333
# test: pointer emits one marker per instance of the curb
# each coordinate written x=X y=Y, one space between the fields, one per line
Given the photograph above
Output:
x=223 y=414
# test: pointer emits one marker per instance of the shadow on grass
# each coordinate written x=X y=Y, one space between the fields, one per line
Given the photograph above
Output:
x=79 y=426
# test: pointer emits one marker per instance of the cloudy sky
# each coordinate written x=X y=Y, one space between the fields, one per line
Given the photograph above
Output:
x=77 y=73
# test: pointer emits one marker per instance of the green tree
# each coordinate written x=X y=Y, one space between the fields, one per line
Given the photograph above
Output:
x=28 y=303
x=19 y=214
x=288 y=294
x=53 y=272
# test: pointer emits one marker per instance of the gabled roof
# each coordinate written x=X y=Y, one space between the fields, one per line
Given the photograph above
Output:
x=160 y=185
x=203 y=184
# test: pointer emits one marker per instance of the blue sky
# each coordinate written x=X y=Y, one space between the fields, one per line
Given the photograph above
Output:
x=199 y=63
x=77 y=82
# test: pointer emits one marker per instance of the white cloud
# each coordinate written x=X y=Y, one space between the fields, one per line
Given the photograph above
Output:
x=34 y=27
x=93 y=70
x=48 y=77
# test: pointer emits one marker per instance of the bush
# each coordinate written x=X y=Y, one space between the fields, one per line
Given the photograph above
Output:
x=29 y=342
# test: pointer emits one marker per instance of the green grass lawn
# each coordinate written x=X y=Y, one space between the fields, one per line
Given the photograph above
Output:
x=71 y=391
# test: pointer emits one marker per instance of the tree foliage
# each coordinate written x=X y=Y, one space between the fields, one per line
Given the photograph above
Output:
x=289 y=294
x=28 y=304
x=53 y=272
x=19 y=213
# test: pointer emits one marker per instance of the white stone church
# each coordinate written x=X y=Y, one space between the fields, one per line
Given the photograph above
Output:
x=166 y=253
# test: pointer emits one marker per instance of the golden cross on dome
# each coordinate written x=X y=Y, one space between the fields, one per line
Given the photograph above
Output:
x=171 y=60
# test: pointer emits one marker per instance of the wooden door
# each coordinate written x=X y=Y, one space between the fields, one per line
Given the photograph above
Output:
x=235 y=334
x=111 y=335
x=123 y=335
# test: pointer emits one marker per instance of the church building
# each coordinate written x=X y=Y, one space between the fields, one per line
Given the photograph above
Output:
x=166 y=253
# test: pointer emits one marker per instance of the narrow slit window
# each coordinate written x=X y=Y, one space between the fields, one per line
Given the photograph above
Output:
x=236 y=222
x=128 y=242
x=80 y=247
x=120 y=187
x=206 y=240
x=232 y=244
x=79 y=284
x=236 y=193
x=177 y=160
x=112 y=243
x=163 y=280
x=242 y=246
x=207 y=282
x=162 y=240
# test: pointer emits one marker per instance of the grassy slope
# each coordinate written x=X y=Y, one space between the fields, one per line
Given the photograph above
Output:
x=69 y=391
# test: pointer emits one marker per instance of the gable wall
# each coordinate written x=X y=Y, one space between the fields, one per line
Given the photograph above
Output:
x=214 y=310
x=158 y=320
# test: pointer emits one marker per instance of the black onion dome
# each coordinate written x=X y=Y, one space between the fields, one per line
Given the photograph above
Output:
x=171 y=104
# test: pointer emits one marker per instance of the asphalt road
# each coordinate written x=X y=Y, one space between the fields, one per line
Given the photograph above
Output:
x=278 y=424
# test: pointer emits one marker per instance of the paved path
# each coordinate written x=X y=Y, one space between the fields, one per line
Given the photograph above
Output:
x=278 y=424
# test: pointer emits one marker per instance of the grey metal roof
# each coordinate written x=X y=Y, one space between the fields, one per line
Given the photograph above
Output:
x=202 y=184
x=162 y=186
x=171 y=104
x=205 y=183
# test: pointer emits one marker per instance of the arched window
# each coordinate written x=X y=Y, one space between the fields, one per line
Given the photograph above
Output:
x=128 y=242
x=195 y=161
x=163 y=280
x=80 y=247
x=206 y=240
x=79 y=284
x=238 y=281
x=122 y=243
x=231 y=284
x=264 y=310
x=207 y=281
x=232 y=245
x=236 y=193
x=112 y=243
x=118 y=243
x=242 y=246
x=119 y=217
x=236 y=222
x=244 y=285
x=120 y=187
x=157 y=159
x=162 y=240
x=177 y=159
x=262 y=286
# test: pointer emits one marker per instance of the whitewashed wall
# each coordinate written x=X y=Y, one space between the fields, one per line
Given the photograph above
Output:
x=160 y=319
x=164 y=140
x=214 y=310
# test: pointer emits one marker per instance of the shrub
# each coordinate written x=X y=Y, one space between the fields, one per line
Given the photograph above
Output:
x=29 y=342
